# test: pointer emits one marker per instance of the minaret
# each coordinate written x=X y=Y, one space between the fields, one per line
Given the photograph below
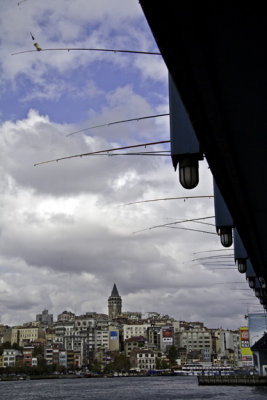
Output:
x=114 y=303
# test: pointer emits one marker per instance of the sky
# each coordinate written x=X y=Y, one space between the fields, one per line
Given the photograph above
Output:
x=67 y=230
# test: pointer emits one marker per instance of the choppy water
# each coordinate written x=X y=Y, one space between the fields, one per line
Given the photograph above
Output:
x=156 y=388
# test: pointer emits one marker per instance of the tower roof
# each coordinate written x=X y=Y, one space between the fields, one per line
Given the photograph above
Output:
x=115 y=292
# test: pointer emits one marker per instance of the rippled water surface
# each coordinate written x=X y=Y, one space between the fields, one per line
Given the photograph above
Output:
x=158 y=388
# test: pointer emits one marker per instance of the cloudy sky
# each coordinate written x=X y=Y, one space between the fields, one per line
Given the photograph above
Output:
x=67 y=232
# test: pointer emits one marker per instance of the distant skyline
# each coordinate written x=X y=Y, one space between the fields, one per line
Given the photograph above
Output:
x=66 y=231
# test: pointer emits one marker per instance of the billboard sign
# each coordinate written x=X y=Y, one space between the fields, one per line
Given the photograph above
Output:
x=113 y=335
x=167 y=333
x=246 y=352
x=244 y=341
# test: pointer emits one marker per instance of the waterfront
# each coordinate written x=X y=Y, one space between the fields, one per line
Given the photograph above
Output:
x=134 y=388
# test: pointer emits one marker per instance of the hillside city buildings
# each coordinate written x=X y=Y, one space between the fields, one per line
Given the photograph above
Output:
x=143 y=340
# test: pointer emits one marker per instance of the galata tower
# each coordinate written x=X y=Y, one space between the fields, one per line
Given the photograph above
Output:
x=114 y=303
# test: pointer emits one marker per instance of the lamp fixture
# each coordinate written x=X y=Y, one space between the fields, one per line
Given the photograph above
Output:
x=257 y=292
x=226 y=236
x=251 y=282
x=242 y=265
x=262 y=282
x=188 y=172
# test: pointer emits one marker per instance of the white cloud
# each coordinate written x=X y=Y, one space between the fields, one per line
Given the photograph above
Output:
x=66 y=24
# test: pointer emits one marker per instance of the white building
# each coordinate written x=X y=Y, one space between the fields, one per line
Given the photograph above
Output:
x=143 y=360
x=85 y=322
x=230 y=343
x=10 y=357
x=63 y=329
x=102 y=338
x=135 y=330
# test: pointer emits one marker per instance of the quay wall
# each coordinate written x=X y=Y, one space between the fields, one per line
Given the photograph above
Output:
x=242 y=380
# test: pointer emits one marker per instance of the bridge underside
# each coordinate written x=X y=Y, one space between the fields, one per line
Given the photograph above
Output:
x=216 y=55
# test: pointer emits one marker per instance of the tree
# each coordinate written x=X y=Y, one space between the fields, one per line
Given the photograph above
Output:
x=38 y=351
x=121 y=363
x=95 y=367
x=172 y=354
x=161 y=363
x=15 y=346
x=6 y=345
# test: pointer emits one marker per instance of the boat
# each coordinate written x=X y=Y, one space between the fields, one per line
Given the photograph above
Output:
x=195 y=369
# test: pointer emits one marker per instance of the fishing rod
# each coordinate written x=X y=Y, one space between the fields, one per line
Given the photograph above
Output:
x=210 y=251
x=212 y=257
x=190 y=229
x=226 y=283
x=117 y=122
x=144 y=153
x=173 y=223
x=199 y=222
x=222 y=268
x=169 y=198
x=203 y=223
x=89 y=49
x=220 y=265
x=219 y=262
x=102 y=151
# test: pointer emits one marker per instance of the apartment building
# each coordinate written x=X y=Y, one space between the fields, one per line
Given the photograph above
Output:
x=195 y=340
x=45 y=318
x=25 y=335
x=230 y=346
x=10 y=357
x=102 y=338
x=63 y=329
x=143 y=360
x=135 y=342
x=135 y=330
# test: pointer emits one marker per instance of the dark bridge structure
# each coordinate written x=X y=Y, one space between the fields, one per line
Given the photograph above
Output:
x=215 y=53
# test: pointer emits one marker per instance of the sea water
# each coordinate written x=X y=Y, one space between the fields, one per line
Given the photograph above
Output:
x=128 y=388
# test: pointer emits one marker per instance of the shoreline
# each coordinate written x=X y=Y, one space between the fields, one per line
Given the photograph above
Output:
x=71 y=376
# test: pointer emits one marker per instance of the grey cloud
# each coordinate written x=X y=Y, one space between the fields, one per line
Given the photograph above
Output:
x=66 y=231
